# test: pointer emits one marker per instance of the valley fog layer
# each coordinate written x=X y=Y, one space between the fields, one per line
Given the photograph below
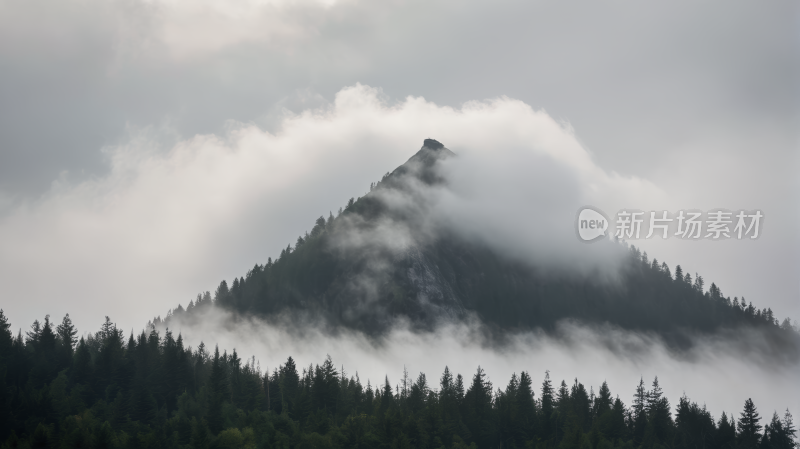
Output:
x=721 y=371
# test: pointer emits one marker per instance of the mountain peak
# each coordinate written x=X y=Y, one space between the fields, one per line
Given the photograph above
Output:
x=432 y=144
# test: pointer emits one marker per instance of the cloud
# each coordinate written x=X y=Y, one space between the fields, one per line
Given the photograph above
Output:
x=703 y=114
x=716 y=372
x=168 y=222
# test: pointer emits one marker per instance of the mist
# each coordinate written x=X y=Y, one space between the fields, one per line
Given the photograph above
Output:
x=720 y=371
x=176 y=218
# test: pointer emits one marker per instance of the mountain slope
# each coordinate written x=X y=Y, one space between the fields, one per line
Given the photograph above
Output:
x=381 y=259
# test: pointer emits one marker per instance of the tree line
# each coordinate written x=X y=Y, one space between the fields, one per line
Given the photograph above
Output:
x=151 y=391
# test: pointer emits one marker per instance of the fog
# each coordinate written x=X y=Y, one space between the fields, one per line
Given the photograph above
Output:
x=171 y=221
x=144 y=154
x=720 y=371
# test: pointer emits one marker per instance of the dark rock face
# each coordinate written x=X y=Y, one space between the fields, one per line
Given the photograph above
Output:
x=422 y=165
x=432 y=144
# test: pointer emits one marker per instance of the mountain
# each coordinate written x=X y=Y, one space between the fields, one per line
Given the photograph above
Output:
x=379 y=259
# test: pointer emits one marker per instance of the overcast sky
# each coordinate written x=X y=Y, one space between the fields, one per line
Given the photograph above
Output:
x=151 y=148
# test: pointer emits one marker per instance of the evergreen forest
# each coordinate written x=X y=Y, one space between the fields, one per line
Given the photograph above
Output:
x=150 y=391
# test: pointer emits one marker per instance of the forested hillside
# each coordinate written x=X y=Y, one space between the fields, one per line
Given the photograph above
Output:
x=443 y=276
x=149 y=391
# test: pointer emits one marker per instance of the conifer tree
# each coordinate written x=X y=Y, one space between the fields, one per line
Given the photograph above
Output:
x=776 y=435
x=6 y=346
x=547 y=404
x=290 y=383
x=698 y=283
x=217 y=388
x=665 y=269
x=789 y=430
x=603 y=402
x=526 y=408
x=658 y=414
x=478 y=404
x=748 y=427
x=387 y=398
x=66 y=333
x=459 y=390
x=418 y=394
x=617 y=429
x=726 y=433
x=6 y=339
x=639 y=415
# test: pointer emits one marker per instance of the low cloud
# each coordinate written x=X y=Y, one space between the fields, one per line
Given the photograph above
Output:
x=168 y=222
x=716 y=371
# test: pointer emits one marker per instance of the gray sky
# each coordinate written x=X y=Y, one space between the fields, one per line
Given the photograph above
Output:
x=148 y=149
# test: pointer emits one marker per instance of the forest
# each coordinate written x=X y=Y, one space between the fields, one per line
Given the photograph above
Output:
x=150 y=391
x=367 y=286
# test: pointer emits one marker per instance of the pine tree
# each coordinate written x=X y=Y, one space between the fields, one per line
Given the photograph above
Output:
x=217 y=389
x=617 y=428
x=478 y=405
x=222 y=292
x=639 y=414
x=387 y=398
x=698 y=283
x=506 y=408
x=665 y=269
x=726 y=433
x=749 y=429
x=789 y=430
x=290 y=382
x=6 y=338
x=459 y=389
x=330 y=378
x=526 y=408
x=658 y=414
x=418 y=394
x=547 y=404
x=603 y=403
x=6 y=346
x=581 y=405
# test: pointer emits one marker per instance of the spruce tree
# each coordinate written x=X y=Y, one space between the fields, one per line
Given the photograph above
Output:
x=603 y=402
x=387 y=398
x=6 y=346
x=639 y=417
x=658 y=414
x=66 y=332
x=526 y=408
x=726 y=433
x=547 y=404
x=478 y=406
x=789 y=430
x=217 y=389
x=6 y=338
x=749 y=429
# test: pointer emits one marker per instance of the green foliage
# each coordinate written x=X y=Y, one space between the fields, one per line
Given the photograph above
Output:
x=152 y=392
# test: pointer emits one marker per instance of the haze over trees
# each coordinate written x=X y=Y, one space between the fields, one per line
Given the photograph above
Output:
x=147 y=390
